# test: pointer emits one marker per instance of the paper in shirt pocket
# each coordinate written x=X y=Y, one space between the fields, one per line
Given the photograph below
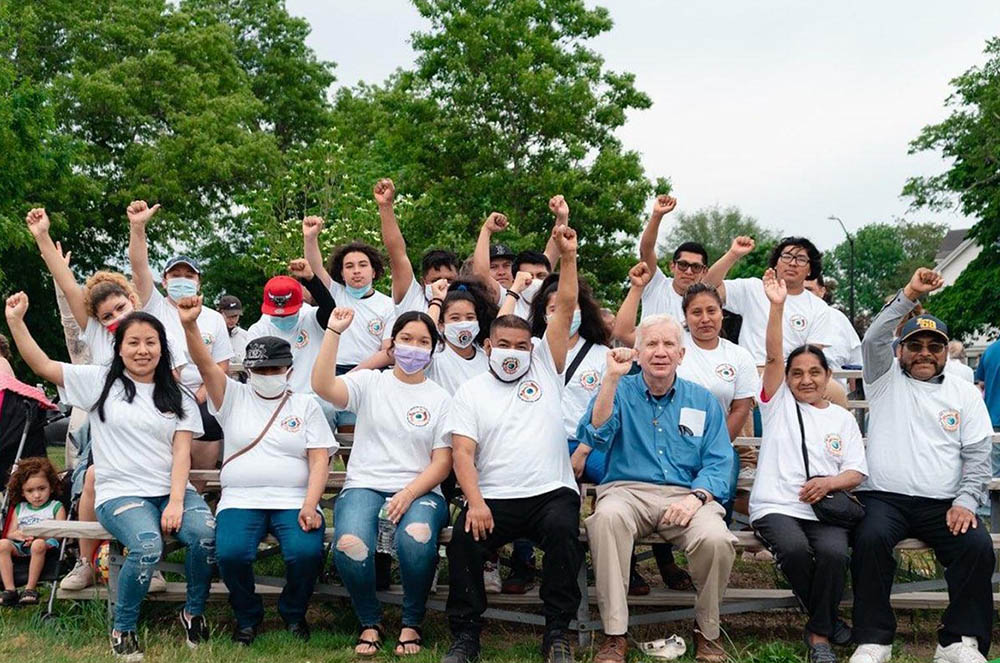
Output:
x=692 y=422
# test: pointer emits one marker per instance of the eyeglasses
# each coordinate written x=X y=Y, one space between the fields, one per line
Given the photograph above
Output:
x=800 y=259
x=693 y=267
x=916 y=347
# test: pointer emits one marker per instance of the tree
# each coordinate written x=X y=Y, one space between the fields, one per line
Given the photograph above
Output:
x=714 y=228
x=969 y=138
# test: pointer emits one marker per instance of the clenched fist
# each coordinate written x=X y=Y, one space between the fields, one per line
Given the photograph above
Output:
x=496 y=222
x=640 y=275
x=619 y=361
x=340 y=319
x=311 y=225
x=385 y=192
x=664 y=205
x=38 y=222
x=139 y=212
x=560 y=208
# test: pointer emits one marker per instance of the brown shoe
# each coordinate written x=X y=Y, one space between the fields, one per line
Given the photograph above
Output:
x=709 y=651
x=613 y=650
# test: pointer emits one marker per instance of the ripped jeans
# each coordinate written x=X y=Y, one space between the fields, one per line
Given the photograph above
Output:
x=135 y=523
x=356 y=527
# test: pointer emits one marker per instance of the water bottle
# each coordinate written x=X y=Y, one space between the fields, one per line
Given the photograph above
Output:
x=386 y=530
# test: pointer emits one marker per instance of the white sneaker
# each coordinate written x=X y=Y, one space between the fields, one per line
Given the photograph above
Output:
x=747 y=473
x=966 y=651
x=871 y=654
x=81 y=577
x=491 y=578
x=666 y=648
x=157 y=583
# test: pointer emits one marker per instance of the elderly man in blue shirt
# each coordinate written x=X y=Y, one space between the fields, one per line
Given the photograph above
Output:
x=669 y=468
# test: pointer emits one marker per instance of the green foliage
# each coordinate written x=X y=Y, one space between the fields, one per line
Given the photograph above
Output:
x=714 y=228
x=969 y=138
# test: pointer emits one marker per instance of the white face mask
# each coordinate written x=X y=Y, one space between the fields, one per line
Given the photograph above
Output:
x=269 y=386
x=461 y=334
x=509 y=364
x=428 y=292
x=528 y=294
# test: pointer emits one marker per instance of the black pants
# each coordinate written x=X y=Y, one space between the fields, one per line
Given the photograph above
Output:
x=553 y=520
x=813 y=556
x=968 y=560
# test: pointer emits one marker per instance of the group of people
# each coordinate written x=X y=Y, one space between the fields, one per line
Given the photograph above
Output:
x=501 y=379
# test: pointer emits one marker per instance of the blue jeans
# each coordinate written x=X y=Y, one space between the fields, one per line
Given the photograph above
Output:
x=356 y=523
x=239 y=532
x=135 y=523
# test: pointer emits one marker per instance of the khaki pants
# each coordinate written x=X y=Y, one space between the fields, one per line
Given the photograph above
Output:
x=629 y=510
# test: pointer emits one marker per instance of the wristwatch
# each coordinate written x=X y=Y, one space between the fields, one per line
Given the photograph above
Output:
x=701 y=495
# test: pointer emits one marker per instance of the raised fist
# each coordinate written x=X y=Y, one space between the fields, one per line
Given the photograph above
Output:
x=565 y=238
x=38 y=222
x=521 y=281
x=139 y=213
x=311 y=225
x=774 y=288
x=640 y=275
x=741 y=246
x=560 y=208
x=925 y=280
x=300 y=269
x=664 y=205
x=17 y=306
x=496 y=222
x=189 y=308
x=619 y=361
x=439 y=289
x=340 y=319
x=385 y=192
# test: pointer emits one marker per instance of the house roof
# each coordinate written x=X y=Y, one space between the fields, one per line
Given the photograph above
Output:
x=951 y=241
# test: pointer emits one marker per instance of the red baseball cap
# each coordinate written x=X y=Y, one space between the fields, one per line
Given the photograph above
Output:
x=282 y=296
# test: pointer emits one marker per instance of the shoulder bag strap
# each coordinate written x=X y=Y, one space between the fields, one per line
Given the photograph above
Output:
x=802 y=436
x=260 y=437
x=577 y=360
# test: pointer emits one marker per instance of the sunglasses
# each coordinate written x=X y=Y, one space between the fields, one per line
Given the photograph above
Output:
x=916 y=347
x=693 y=267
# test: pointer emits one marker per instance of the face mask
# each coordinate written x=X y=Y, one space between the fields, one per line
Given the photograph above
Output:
x=428 y=292
x=357 y=293
x=528 y=294
x=461 y=334
x=180 y=287
x=285 y=323
x=411 y=359
x=269 y=386
x=112 y=326
x=574 y=324
x=509 y=364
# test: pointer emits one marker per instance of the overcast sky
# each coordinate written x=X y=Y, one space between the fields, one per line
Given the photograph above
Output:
x=790 y=110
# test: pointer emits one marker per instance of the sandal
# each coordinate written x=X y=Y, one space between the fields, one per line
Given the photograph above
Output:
x=376 y=644
x=29 y=597
x=8 y=598
x=417 y=641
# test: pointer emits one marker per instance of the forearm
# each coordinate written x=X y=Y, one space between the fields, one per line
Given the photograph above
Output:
x=774 y=350
x=433 y=475
x=324 y=300
x=647 y=243
x=604 y=404
x=737 y=417
x=63 y=278
x=876 y=348
x=624 y=325
x=509 y=304
x=324 y=378
x=310 y=248
x=380 y=359
x=319 y=471
x=181 y=467
x=199 y=352
x=79 y=351
x=395 y=246
x=717 y=272
x=468 y=477
x=481 y=262
x=33 y=355
x=976 y=473
x=846 y=480
x=138 y=257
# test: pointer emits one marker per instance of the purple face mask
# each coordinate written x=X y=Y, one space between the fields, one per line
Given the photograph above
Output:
x=411 y=359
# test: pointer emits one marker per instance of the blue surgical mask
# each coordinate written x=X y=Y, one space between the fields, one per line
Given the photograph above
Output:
x=357 y=293
x=285 y=323
x=179 y=287
x=574 y=324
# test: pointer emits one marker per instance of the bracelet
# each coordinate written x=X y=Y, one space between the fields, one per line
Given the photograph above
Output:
x=511 y=293
x=439 y=302
x=333 y=330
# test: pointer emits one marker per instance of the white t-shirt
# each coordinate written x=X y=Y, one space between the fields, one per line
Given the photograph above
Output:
x=518 y=429
x=102 y=345
x=305 y=339
x=847 y=347
x=584 y=383
x=399 y=425
x=450 y=370
x=959 y=370
x=275 y=473
x=213 y=329
x=522 y=309
x=415 y=299
x=239 y=339
x=133 y=447
x=806 y=318
x=916 y=430
x=728 y=371
x=374 y=317
x=833 y=441
x=659 y=297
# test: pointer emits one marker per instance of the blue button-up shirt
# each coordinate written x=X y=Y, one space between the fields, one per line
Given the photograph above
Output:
x=678 y=439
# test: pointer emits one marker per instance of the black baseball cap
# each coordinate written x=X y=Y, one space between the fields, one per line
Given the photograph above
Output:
x=229 y=304
x=924 y=323
x=501 y=251
x=182 y=260
x=268 y=351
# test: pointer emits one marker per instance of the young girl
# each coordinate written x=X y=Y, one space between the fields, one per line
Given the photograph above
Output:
x=464 y=313
x=32 y=485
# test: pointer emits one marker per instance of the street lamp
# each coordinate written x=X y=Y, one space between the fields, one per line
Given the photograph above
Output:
x=850 y=242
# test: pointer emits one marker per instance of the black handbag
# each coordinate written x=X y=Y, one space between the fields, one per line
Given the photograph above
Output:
x=841 y=507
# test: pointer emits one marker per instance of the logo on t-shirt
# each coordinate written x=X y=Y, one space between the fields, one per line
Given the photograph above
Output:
x=726 y=371
x=798 y=322
x=375 y=327
x=207 y=338
x=590 y=380
x=950 y=420
x=529 y=391
x=291 y=424
x=418 y=416
x=834 y=445
x=302 y=340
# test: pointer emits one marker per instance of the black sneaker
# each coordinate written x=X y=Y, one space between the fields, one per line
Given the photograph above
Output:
x=821 y=652
x=195 y=629
x=521 y=578
x=125 y=646
x=842 y=634
x=300 y=630
x=556 y=647
x=245 y=636
x=464 y=649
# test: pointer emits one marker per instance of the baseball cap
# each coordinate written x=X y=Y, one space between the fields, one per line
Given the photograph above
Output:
x=501 y=251
x=924 y=323
x=229 y=304
x=268 y=351
x=282 y=296
x=182 y=260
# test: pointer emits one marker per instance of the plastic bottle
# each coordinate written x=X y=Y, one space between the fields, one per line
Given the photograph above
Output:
x=386 y=530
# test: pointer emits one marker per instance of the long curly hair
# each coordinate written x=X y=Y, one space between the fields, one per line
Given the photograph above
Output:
x=27 y=468
x=104 y=284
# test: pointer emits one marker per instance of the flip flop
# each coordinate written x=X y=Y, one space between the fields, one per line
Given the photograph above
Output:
x=374 y=644
x=418 y=641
